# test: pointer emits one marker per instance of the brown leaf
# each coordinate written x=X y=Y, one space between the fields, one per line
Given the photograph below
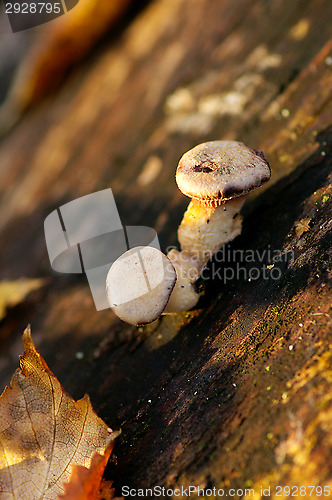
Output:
x=66 y=41
x=44 y=432
x=106 y=492
x=302 y=226
x=84 y=483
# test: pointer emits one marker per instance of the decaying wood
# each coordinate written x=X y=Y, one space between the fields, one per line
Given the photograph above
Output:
x=236 y=393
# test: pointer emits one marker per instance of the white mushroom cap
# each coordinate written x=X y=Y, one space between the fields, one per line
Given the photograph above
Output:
x=216 y=171
x=139 y=284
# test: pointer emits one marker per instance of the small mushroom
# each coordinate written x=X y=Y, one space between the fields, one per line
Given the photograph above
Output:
x=139 y=284
x=217 y=175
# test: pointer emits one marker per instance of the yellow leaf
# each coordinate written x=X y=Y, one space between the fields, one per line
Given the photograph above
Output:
x=13 y=292
x=44 y=432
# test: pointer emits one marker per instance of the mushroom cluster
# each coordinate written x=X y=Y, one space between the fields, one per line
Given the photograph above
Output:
x=217 y=176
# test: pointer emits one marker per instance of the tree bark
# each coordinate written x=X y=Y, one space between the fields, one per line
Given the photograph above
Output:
x=235 y=394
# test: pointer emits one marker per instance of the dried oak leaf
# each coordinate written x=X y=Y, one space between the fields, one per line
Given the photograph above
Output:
x=44 y=432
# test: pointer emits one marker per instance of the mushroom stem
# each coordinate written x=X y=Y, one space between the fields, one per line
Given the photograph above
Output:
x=184 y=295
x=205 y=229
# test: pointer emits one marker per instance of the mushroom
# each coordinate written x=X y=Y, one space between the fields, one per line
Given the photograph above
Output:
x=217 y=175
x=139 y=284
x=143 y=283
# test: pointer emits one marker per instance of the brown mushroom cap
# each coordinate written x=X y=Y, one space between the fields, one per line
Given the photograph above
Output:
x=217 y=171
